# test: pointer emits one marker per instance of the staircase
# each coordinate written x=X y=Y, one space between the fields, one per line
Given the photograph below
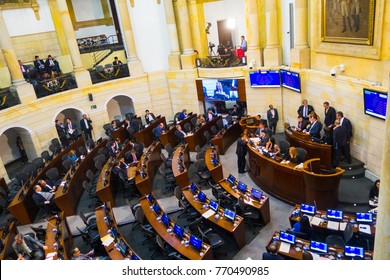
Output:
x=99 y=56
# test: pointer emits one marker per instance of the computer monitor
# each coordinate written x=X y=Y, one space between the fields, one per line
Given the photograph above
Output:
x=193 y=188
x=150 y=198
x=195 y=242
x=364 y=217
x=202 y=196
x=256 y=194
x=114 y=232
x=165 y=219
x=179 y=231
x=134 y=257
x=242 y=187
x=215 y=161
x=308 y=209
x=287 y=237
x=231 y=179
x=350 y=251
x=334 y=214
x=231 y=215
x=214 y=205
x=123 y=247
x=156 y=209
x=318 y=247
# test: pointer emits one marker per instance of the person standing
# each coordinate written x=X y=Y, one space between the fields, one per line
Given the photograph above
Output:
x=244 y=44
x=305 y=110
x=330 y=114
x=241 y=153
x=71 y=129
x=340 y=143
x=347 y=124
x=61 y=131
x=273 y=118
x=22 y=151
x=86 y=127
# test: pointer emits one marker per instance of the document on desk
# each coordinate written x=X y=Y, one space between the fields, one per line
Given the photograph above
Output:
x=333 y=225
x=284 y=247
x=50 y=256
x=107 y=240
x=255 y=139
x=208 y=213
x=316 y=221
x=342 y=226
x=365 y=229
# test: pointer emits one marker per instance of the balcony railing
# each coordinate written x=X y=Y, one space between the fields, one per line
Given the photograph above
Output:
x=108 y=72
x=98 y=43
x=55 y=85
x=8 y=98
x=220 y=61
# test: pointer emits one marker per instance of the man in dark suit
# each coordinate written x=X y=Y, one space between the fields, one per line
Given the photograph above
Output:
x=119 y=171
x=44 y=200
x=273 y=118
x=340 y=143
x=330 y=114
x=132 y=159
x=235 y=112
x=180 y=133
x=71 y=129
x=347 y=124
x=273 y=253
x=149 y=117
x=24 y=70
x=86 y=127
x=262 y=127
x=264 y=137
x=302 y=124
x=241 y=153
x=51 y=64
x=315 y=128
x=305 y=110
x=139 y=148
x=39 y=65
x=28 y=248
x=61 y=131
x=112 y=150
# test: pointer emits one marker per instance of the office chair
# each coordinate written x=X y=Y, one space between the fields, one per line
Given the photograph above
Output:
x=133 y=209
x=92 y=178
x=90 y=144
x=215 y=240
x=220 y=124
x=22 y=178
x=101 y=158
x=55 y=142
x=167 y=162
x=184 y=205
x=67 y=164
x=129 y=185
x=202 y=171
x=207 y=135
x=167 y=250
x=150 y=235
x=30 y=169
x=40 y=233
x=222 y=196
x=83 y=151
x=54 y=149
x=154 y=130
x=140 y=217
x=250 y=214
x=64 y=157
x=88 y=219
x=302 y=153
x=284 y=146
x=229 y=119
x=38 y=163
x=335 y=240
x=214 y=130
x=169 y=149
x=98 y=166
x=169 y=179
x=90 y=237
x=187 y=127
x=104 y=151
x=54 y=176
x=46 y=156
x=91 y=194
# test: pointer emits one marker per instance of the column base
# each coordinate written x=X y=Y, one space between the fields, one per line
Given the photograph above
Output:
x=188 y=61
x=25 y=92
x=174 y=62
x=256 y=56
x=273 y=56
x=83 y=78
x=300 y=58
x=135 y=67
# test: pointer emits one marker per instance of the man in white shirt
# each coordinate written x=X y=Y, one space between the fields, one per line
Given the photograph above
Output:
x=86 y=127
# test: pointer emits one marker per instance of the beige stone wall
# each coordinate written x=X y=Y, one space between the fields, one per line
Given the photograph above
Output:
x=159 y=93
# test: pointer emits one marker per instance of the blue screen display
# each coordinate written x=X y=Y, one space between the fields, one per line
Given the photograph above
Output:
x=256 y=194
x=213 y=205
x=268 y=78
x=308 y=209
x=351 y=251
x=156 y=208
x=150 y=198
x=231 y=215
x=375 y=103
x=287 y=237
x=134 y=257
x=195 y=242
x=165 y=219
x=231 y=179
x=202 y=196
x=364 y=217
x=220 y=90
x=178 y=230
x=319 y=247
x=334 y=214
x=290 y=80
x=242 y=187
x=193 y=188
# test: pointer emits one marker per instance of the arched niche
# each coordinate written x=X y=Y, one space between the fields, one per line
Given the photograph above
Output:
x=119 y=106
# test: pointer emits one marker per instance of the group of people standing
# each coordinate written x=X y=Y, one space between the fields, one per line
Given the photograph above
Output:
x=70 y=129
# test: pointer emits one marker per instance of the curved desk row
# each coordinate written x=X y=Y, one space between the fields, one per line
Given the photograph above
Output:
x=214 y=164
x=227 y=137
x=172 y=239
x=170 y=137
x=67 y=199
x=23 y=207
x=180 y=165
x=198 y=138
x=249 y=123
x=146 y=135
x=8 y=239
x=58 y=238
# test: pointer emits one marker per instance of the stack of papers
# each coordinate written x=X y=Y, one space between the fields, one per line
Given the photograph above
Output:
x=284 y=247
x=208 y=213
x=316 y=221
x=333 y=225
x=342 y=226
x=365 y=228
x=107 y=240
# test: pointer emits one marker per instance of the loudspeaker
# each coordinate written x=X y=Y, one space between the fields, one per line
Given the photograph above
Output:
x=90 y=97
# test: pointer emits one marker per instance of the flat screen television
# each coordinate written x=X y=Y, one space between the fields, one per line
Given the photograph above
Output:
x=156 y=209
x=318 y=247
x=375 y=103
x=165 y=219
x=213 y=205
x=334 y=214
x=220 y=90
x=242 y=187
x=123 y=247
x=195 y=242
x=231 y=215
x=350 y=251
x=287 y=237
x=134 y=257
x=364 y=217
x=202 y=196
x=256 y=194
x=150 y=198
x=265 y=78
x=179 y=231
x=290 y=80
x=231 y=179
x=308 y=209
x=193 y=188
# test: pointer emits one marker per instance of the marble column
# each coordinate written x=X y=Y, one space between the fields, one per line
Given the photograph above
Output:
x=254 y=52
x=382 y=233
x=300 y=54
x=198 y=27
x=56 y=16
x=188 y=55
x=25 y=90
x=174 y=57
x=82 y=76
x=272 y=51
x=134 y=63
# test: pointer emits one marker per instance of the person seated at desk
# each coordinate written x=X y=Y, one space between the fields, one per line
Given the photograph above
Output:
x=218 y=92
x=302 y=124
x=200 y=121
x=139 y=148
x=374 y=191
x=113 y=126
x=293 y=156
x=77 y=255
x=263 y=127
x=263 y=139
x=183 y=115
x=117 y=62
x=118 y=170
x=180 y=133
x=118 y=146
x=235 y=112
x=72 y=156
x=159 y=130
x=273 y=253
x=307 y=256
x=45 y=187
x=272 y=147
x=122 y=164
x=149 y=117
x=52 y=65
x=44 y=200
x=112 y=151
x=303 y=226
x=315 y=128
x=132 y=159
x=28 y=248
x=210 y=115
x=126 y=123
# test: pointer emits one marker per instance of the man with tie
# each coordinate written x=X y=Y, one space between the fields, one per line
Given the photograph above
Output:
x=347 y=124
x=302 y=124
x=61 y=131
x=119 y=171
x=25 y=71
x=149 y=117
x=39 y=65
x=315 y=127
x=180 y=133
x=330 y=114
x=340 y=143
x=305 y=110
x=273 y=118
x=28 y=248
x=71 y=129
x=52 y=64
x=45 y=187
x=86 y=127
x=44 y=200
x=132 y=159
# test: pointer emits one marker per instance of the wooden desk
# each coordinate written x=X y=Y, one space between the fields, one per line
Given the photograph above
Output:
x=105 y=189
x=146 y=135
x=314 y=149
x=170 y=137
x=251 y=128
x=292 y=185
x=262 y=205
x=181 y=175
x=67 y=200
x=236 y=229
x=197 y=138
x=216 y=171
x=62 y=238
x=103 y=231
x=8 y=240
x=228 y=137
x=152 y=161
x=25 y=209
x=296 y=250
x=172 y=239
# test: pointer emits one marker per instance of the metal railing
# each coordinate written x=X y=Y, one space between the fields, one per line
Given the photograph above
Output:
x=54 y=85
x=108 y=72
x=220 y=61
x=8 y=98
x=97 y=43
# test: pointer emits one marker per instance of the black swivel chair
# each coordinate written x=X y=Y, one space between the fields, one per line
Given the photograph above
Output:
x=338 y=240
x=250 y=214
x=215 y=240
x=46 y=156
x=284 y=146
x=38 y=163
x=202 y=171
x=54 y=176
x=302 y=153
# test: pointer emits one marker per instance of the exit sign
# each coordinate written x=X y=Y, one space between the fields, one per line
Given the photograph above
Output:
x=93 y=107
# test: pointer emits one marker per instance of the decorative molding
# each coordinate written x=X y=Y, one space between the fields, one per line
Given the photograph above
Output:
x=22 y=4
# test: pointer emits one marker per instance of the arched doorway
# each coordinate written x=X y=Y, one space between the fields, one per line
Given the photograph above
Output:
x=119 y=106
x=11 y=157
x=75 y=115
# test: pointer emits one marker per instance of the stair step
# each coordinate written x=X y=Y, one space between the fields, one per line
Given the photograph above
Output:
x=355 y=164
x=353 y=173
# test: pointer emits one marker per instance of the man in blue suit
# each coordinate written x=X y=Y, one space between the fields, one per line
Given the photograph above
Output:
x=315 y=127
x=86 y=127
x=183 y=115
